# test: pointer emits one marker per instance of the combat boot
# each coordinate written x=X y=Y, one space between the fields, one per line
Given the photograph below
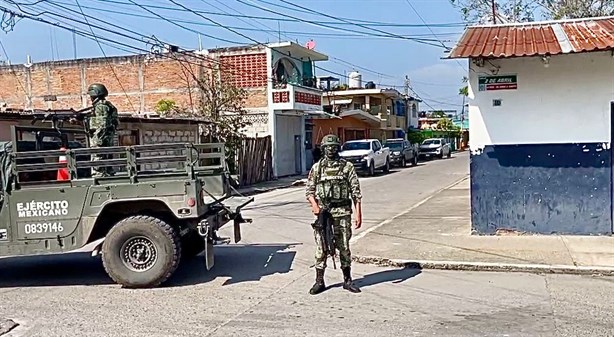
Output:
x=319 y=286
x=347 y=280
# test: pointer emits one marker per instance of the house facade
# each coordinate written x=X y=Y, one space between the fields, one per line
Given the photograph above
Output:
x=540 y=118
x=365 y=113
x=279 y=79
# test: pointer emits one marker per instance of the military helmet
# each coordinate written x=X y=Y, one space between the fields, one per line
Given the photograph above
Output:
x=97 y=90
x=330 y=140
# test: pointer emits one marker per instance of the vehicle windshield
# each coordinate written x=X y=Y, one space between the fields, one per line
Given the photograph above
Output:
x=431 y=141
x=395 y=145
x=356 y=146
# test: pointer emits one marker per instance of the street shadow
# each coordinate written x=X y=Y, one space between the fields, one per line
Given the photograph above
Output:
x=52 y=270
x=261 y=205
x=238 y=263
x=394 y=276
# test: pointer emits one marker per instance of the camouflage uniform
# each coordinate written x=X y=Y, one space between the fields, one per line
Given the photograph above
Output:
x=334 y=183
x=103 y=125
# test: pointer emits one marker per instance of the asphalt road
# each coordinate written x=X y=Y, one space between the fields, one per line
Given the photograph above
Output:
x=260 y=287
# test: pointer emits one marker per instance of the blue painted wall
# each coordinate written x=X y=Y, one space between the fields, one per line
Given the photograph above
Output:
x=542 y=188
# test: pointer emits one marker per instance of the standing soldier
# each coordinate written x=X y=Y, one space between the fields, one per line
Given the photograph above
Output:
x=333 y=183
x=103 y=125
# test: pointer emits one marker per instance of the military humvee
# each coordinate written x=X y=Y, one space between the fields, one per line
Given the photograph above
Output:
x=142 y=221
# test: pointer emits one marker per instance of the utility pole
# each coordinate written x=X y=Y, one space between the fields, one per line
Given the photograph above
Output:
x=74 y=44
x=407 y=83
x=494 y=12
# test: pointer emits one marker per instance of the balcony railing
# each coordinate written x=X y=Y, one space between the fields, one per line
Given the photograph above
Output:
x=308 y=82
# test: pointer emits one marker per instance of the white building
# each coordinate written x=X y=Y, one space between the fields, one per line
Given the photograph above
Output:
x=540 y=116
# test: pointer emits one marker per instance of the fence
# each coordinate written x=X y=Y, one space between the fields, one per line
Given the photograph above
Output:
x=255 y=160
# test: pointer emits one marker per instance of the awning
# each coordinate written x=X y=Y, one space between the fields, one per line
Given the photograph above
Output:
x=332 y=100
x=318 y=114
x=362 y=116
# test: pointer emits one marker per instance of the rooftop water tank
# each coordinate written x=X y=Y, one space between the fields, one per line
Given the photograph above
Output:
x=355 y=80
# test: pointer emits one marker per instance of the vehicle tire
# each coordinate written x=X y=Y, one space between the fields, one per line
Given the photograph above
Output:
x=403 y=162
x=414 y=161
x=141 y=252
x=449 y=154
x=372 y=169
x=441 y=155
x=387 y=166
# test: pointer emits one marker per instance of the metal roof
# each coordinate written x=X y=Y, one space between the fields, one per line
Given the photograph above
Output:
x=536 y=38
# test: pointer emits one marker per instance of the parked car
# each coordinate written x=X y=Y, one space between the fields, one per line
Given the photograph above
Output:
x=402 y=152
x=367 y=155
x=435 y=147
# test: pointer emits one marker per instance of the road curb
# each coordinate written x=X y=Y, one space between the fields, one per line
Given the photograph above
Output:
x=486 y=266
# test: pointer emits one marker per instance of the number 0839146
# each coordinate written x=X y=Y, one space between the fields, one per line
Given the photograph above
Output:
x=46 y=227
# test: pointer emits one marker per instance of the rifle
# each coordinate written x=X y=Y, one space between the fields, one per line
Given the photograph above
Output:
x=324 y=225
x=58 y=117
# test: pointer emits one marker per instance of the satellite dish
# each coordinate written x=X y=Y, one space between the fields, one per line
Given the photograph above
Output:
x=310 y=44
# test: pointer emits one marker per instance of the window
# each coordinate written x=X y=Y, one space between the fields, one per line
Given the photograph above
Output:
x=286 y=72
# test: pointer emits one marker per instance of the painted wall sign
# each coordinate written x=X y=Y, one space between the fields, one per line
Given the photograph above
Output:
x=505 y=82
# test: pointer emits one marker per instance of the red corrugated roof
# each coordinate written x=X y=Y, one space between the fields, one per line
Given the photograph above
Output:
x=540 y=38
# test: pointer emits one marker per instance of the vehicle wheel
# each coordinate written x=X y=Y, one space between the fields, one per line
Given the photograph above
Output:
x=141 y=252
x=441 y=155
x=449 y=154
x=372 y=169
x=414 y=161
x=387 y=166
x=403 y=162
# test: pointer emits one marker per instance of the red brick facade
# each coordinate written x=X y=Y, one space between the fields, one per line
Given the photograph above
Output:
x=142 y=81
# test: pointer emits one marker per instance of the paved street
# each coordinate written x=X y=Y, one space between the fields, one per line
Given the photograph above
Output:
x=260 y=288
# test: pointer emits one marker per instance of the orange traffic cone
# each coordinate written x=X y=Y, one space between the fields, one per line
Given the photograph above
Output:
x=63 y=172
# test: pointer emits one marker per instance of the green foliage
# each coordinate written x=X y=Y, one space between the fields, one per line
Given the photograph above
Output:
x=166 y=106
x=416 y=137
x=525 y=10
x=438 y=114
x=221 y=103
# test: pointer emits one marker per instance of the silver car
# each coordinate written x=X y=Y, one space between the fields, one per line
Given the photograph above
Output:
x=435 y=147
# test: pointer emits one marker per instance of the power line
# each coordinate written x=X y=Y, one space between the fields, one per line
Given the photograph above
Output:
x=344 y=20
x=136 y=39
x=105 y=55
x=365 y=22
x=417 y=40
x=132 y=47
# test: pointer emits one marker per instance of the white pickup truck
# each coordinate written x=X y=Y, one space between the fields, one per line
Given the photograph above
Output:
x=367 y=155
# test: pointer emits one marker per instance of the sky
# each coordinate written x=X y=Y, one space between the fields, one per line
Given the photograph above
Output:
x=384 y=40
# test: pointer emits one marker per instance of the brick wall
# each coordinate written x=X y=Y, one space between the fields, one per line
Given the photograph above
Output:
x=143 y=81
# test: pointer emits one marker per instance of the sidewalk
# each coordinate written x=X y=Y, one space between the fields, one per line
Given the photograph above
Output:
x=267 y=186
x=437 y=235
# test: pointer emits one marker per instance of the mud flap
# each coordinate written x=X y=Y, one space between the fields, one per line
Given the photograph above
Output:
x=209 y=257
x=237 y=229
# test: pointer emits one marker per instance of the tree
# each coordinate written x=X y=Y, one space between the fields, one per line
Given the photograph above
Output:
x=222 y=103
x=524 y=10
x=464 y=91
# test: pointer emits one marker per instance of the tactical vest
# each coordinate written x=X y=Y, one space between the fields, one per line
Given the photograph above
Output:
x=332 y=186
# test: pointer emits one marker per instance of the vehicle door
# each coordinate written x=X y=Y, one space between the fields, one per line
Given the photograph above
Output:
x=380 y=159
x=407 y=151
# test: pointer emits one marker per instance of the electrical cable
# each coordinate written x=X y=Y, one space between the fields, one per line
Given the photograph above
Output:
x=105 y=55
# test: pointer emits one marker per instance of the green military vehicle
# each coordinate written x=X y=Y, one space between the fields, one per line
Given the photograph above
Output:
x=141 y=220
